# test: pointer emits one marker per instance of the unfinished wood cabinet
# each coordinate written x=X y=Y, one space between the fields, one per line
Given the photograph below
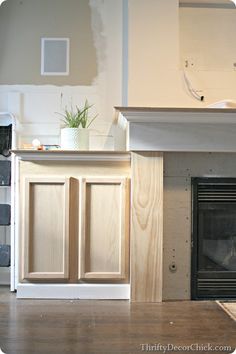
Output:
x=104 y=229
x=45 y=223
x=74 y=235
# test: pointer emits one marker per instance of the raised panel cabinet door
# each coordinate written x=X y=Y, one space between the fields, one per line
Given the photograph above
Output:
x=104 y=229
x=45 y=224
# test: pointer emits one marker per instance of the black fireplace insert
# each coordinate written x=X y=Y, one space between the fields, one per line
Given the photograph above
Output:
x=213 y=238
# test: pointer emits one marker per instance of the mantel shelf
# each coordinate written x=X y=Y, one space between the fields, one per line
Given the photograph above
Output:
x=178 y=129
x=175 y=115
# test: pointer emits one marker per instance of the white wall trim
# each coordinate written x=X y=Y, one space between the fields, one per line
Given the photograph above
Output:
x=74 y=291
x=48 y=89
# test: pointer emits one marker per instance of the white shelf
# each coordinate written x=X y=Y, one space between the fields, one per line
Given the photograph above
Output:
x=72 y=155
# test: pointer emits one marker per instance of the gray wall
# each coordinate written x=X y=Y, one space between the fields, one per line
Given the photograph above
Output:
x=24 y=22
x=179 y=168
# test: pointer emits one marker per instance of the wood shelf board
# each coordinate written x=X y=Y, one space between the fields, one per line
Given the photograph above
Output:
x=72 y=155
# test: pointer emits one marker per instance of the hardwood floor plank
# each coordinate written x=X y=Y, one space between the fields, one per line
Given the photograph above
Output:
x=108 y=327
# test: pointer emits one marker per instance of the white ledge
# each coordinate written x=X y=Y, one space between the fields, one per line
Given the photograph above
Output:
x=176 y=115
x=179 y=129
x=72 y=155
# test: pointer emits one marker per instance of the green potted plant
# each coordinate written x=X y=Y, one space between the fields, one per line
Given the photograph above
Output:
x=75 y=132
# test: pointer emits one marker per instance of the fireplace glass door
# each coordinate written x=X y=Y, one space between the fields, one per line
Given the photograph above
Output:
x=214 y=238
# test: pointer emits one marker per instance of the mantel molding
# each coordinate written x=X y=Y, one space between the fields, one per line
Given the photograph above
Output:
x=178 y=129
x=63 y=155
x=175 y=115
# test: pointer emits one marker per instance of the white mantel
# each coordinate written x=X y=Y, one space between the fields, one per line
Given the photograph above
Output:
x=179 y=129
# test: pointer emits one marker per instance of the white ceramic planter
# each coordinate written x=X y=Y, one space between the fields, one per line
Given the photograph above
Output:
x=74 y=139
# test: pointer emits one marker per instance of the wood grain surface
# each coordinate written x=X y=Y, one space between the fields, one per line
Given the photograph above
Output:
x=147 y=227
x=109 y=327
x=103 y=228
x=46 y=228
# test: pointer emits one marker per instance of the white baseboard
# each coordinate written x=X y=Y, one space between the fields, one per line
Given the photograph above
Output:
x=74 y=291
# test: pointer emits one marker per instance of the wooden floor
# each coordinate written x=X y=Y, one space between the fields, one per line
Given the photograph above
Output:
x=108 y=327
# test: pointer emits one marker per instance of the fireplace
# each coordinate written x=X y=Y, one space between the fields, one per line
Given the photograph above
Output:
x=213 y=238
x=170 y=146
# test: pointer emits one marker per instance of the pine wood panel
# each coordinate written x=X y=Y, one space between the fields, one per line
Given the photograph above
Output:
x=104 y=228
x=147 y=227
x=74 y=169
x=46 y=228
x=73 y=230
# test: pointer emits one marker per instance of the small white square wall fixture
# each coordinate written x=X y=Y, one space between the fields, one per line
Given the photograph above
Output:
x=55 y=56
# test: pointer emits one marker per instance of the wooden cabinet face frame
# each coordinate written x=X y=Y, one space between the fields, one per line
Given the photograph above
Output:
x=104 y=255
x=55 y=222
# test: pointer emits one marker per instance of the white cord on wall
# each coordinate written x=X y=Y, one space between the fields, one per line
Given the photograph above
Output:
x=192 y=91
